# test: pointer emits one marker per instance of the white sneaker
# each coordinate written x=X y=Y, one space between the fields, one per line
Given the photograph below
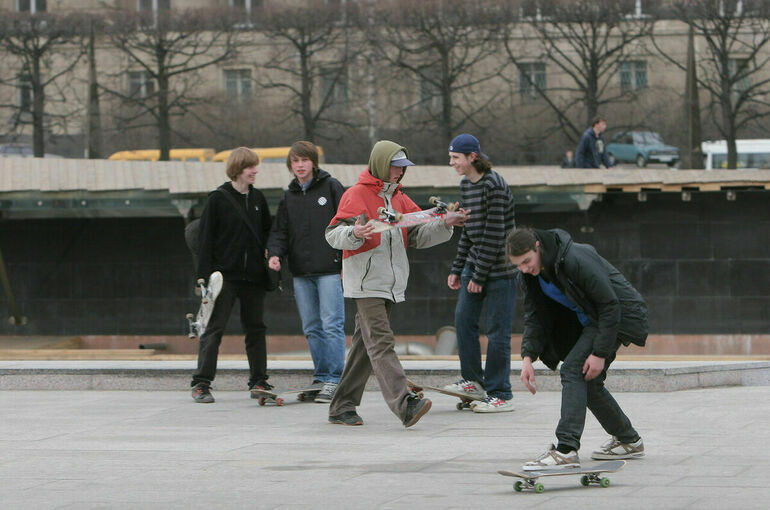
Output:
x=492 y=405
x=552 y=460
x=473 y=389
x=615 y=449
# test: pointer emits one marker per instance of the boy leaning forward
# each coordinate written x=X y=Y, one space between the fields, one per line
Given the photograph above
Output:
x=375 y=270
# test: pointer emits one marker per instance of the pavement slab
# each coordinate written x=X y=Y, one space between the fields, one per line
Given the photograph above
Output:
x=159 y=449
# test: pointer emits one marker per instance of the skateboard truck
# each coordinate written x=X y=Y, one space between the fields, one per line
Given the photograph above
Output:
x=389 y=216
x=441 y=207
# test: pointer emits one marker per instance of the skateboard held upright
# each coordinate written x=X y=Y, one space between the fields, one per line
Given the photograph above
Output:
x=209 y=296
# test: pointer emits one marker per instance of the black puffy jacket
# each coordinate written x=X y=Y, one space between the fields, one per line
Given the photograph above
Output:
x=300 y=224
x=594 y=285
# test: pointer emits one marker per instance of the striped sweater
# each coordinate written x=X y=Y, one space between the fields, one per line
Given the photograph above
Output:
x=483 y=239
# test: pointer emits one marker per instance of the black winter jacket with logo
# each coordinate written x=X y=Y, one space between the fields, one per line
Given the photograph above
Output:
x=300 y=224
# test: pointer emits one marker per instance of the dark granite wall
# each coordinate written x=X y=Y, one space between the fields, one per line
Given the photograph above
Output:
x=703 y=265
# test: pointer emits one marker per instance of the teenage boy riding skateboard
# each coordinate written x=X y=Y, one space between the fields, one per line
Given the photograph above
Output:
x=578 y=309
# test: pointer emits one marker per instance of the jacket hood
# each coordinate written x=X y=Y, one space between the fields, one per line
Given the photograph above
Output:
x=379 y=160
x=553 y=245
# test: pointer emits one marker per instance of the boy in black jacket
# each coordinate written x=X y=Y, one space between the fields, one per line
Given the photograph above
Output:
x=228 y=245
x=306 y=209
x=578 y=309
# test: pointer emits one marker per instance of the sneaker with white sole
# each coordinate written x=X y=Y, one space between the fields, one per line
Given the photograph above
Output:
x=616 y=449
x=552 y=459
x=492 y=405
x=473 y=389
x=327 y=393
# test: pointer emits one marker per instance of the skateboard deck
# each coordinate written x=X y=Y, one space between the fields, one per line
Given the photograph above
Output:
x=389 y=219
x=279 y=397
x=590 y=475
x=465 y=399
x=208 y=299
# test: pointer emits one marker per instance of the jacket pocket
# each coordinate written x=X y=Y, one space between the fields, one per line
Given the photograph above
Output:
x=634 y=326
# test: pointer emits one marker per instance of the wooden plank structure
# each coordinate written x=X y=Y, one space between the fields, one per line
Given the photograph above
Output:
x=57 y=175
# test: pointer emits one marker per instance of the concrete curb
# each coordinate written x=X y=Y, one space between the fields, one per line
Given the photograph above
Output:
x=624 y=376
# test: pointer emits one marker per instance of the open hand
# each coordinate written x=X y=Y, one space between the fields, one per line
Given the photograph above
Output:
x=362 y=230
x=458 y=217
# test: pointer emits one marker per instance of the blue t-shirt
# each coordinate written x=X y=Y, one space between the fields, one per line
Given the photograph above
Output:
x=553 y=292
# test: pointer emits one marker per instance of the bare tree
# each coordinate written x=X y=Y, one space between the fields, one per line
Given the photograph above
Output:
x=311 y=49
x=166 y=49
x=447 y=48
x=732 y=68
x=587 y=41
x=45 y=49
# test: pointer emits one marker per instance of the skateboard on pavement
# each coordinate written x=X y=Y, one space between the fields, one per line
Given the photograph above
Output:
x=590 y=475
x=279 y=397
x=208 y=299
x=465 y=400
x=390 y=219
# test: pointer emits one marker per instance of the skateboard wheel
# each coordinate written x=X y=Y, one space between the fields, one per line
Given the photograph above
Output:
x=190 y=335
x=189 y=316
x=460 y=406
x=201 y=281
x=451 y=207
x=584 y=481
x=279 y=401
x=301 y=397
x=539 y=488
x=381 y=210
x=433 y=200
x=605 y=482
x=261 y=401
x=399 y=216
x=517 y=486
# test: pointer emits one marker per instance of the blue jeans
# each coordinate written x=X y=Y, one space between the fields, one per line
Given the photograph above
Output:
x=500 y=297
x=321 y=307
x=577 y=394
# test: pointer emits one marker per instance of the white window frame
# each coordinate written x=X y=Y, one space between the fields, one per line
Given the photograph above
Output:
x=155 y=6
x=527 y=88
x=143 y=94
x=732 y=67
x=633 y=69
x=33 y=7
x=239 y=80
x=247 y=4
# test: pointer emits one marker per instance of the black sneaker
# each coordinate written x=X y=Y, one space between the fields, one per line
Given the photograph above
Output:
x=415 y=409
x=260 y=385
x=346 y=418
x=201 y=393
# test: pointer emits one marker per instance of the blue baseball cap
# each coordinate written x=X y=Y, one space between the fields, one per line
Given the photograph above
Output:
x=465 y=144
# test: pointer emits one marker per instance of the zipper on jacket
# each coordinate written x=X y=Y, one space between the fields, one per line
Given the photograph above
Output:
x=368 y=266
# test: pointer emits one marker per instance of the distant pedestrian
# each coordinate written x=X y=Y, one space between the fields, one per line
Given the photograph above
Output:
x=591 y=150
x=579 y=310
x=569 y=160
x=305 y=210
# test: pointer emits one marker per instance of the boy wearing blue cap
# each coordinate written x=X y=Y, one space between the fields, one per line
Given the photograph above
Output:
x=482 y=275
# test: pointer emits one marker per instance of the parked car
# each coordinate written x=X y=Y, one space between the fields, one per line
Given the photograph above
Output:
x=18 y=150
x=641 y=147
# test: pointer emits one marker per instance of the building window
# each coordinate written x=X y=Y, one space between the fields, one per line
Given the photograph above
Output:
x=153 y=5
x=246 y=5
x=140 y=85
x=24 y=87
x=31 y=6
x=633 y=75
x=334 y=85
x=739 y=71
x=238 y=83
x=531 y=78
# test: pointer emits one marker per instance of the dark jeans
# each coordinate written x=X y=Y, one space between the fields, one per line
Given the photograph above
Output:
x=252 y=299
x=500 y=297
x=577 y=394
